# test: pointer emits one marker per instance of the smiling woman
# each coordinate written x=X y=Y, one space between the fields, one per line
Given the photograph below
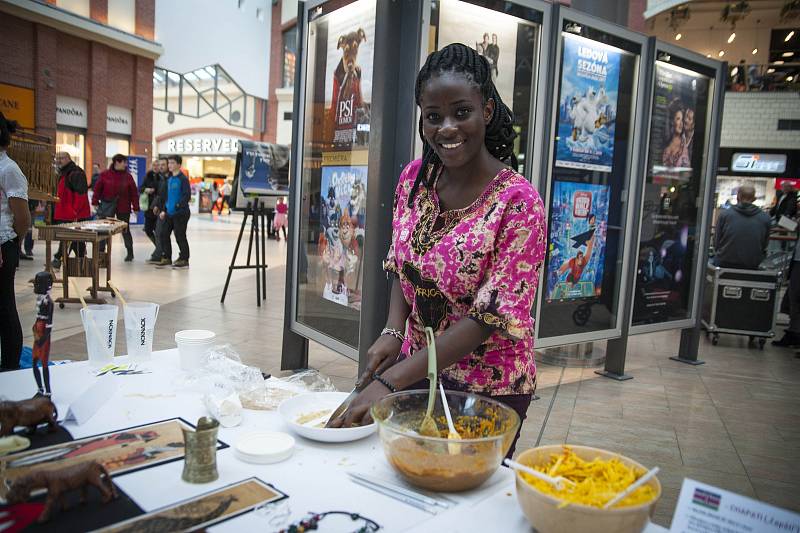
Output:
x=468 y=239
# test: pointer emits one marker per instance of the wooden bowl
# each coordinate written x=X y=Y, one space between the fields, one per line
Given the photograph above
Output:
x=543 y=513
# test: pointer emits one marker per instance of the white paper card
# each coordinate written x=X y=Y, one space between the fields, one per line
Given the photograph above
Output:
x=787 y=223
x=703 y=508
x=92 y=399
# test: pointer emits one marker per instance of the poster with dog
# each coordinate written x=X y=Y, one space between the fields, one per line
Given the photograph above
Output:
x=491 y=33
x=348 y=79
x=576 y=252
x=587 y=104
x=341 y=242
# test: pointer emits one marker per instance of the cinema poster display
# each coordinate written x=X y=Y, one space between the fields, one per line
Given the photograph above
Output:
x=348 y=78
x=587 y=109
x=670 y=212
x=576 y=253
x=341 y=239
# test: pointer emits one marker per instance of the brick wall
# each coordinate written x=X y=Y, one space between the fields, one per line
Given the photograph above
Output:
x=275 y=72
x=146 y=18
x=751 y=120
x=98 y=10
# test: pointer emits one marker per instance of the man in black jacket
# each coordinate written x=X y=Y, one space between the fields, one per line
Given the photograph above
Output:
x=155 y=186
x=786 y=202
x=742 y=234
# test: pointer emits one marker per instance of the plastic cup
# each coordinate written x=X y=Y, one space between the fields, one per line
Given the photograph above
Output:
x=140 y=325
x=100 y=327
x=192 y=346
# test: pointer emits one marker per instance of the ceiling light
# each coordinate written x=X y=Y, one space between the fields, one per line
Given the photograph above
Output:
x=731 y=37
x=678 y=36
x=787 y=54
x=721 y=53
x=770 y=70
x=734 y=71
x=708 y=55
x=789 y=78
x=778 y=62
x=788 y=36
x=755 y=51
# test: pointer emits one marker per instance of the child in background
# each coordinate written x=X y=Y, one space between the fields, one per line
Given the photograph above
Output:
x=281 y=217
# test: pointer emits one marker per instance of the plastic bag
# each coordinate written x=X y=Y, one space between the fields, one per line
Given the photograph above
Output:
x=276 y=390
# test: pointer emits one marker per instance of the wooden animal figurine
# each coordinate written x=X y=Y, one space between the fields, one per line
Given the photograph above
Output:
x=29 y=413
x=58 y=482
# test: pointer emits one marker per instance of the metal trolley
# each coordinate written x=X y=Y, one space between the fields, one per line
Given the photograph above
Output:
x=741 y=302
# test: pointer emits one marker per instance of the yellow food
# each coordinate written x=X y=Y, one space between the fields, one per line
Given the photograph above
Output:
x=308 y=417
x=596 y=482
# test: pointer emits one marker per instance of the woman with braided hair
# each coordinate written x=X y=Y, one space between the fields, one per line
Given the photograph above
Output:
x=468 y=240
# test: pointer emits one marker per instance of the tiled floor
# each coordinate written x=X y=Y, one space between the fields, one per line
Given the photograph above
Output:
x=733 y=422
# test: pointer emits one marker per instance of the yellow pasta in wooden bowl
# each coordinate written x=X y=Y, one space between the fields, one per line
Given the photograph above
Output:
x=596 y=476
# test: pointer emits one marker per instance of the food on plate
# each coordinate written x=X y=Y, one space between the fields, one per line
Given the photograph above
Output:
x=305 y=418
x=596 y=482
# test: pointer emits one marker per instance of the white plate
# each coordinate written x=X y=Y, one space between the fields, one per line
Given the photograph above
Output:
x=293 y=408
x=264 y=447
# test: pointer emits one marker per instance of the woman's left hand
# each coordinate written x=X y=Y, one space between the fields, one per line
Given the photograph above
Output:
x=358 y=411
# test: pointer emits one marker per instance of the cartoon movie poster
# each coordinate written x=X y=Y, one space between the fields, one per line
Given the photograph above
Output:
x=341 y=241
x=491 y=33
x=587 y=109
x=579 y=216
x=348 y=79
x=674 y=120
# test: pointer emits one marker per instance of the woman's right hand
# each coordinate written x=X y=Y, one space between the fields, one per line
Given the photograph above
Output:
x=381 y=355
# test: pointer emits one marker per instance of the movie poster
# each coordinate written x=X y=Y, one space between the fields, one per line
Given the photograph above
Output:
x=263 y=168
x=587 y=108
x=491 y=33
x=348 y=78
x=341 y=241
x=578 y=222
x=670 y=211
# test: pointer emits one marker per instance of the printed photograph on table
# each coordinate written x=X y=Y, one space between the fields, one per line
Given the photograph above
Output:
x=341 y=239
x=587 y=111
x=119 y=451
x=578 y=223
x=203 y=511
x=348 y=82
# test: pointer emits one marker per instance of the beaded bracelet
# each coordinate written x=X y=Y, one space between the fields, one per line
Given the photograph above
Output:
x=396 y=333
x=383 y=381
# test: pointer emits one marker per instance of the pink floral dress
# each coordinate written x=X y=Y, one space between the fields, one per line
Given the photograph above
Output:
x=480 y=262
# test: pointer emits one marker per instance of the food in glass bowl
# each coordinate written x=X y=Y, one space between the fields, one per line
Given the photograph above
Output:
x=487 y=429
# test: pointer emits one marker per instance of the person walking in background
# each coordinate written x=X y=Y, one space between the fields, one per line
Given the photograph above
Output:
x=151 y=186
x=176 y=214
x=226 y=194
x=281 y=218
x=96 y=171
x=14 y=223
x=73 y=204
x=785 y=202
x=115 y=194
x=28 y=245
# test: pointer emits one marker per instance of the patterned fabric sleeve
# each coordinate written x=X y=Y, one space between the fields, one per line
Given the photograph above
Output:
x=407 y=177
x=505 y=297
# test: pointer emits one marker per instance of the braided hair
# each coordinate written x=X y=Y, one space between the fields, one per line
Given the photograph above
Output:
x=500 y=132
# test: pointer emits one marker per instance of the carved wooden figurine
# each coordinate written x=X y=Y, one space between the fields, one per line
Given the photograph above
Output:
x=57 y=482
x=29 y=413
x=42 y=284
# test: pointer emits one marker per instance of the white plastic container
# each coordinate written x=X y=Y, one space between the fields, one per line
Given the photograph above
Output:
x=100 y=327
x=192 y=346
x=264 y=447
x=140 y=325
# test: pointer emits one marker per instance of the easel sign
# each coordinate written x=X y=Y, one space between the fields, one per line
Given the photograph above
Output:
x=262 y=173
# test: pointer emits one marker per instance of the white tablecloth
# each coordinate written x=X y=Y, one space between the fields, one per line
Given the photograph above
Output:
x=315 y=477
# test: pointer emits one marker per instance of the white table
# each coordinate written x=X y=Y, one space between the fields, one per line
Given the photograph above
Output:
x=315 y=477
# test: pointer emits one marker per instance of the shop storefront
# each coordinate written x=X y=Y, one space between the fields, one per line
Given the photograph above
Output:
x=71 y=122
x=18 y=103
x=764 y=169
x=118 y=132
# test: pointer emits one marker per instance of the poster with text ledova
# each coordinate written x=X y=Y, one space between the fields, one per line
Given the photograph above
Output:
x=588 y=105
x=341 y=241
x=348 y=77
x=576 y=253
x=670 y=211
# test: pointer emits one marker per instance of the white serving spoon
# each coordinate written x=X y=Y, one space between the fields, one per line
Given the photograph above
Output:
x=557 y=482
x=632 y=487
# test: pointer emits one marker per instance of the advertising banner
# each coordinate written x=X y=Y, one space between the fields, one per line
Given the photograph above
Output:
x=341 y=240
x=137 y=166
x=579 y=216
x=670 y=213
x=263 y=169
x=587 y=111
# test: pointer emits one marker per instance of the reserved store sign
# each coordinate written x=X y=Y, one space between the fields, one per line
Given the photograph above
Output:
x=703 y=508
